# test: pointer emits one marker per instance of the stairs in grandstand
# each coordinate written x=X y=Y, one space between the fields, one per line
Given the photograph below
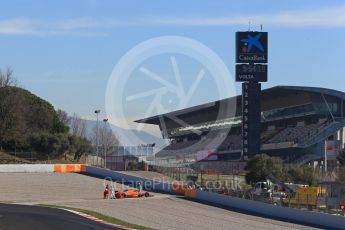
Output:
x=305 y=159
x=323 y=134
x=303 y=136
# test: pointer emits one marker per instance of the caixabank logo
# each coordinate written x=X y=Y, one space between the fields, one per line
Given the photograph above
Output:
x=251 y=47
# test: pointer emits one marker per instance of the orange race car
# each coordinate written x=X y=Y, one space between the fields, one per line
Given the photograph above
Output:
x=131 y=193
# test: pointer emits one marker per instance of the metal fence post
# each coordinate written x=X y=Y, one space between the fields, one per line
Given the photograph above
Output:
x=308 y=206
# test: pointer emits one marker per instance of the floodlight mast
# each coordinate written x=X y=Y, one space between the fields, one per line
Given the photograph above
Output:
x=97 y=128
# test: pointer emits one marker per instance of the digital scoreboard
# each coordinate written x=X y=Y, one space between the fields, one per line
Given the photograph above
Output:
x=251 y=118
x=251 y=72
x=251 y=68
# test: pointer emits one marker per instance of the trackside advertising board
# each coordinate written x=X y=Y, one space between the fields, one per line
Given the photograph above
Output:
x=207 y=155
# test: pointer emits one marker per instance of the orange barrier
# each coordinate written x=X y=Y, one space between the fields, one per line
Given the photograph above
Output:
x=190 y=193
x=179 y=188
x=63 y=168
x=183 y=189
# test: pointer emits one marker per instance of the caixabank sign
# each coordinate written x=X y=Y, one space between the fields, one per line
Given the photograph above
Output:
x=251 y=47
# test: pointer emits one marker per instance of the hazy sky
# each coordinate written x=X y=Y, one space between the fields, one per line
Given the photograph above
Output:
x=65 y=51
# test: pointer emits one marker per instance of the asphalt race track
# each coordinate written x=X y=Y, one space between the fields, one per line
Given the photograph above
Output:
x=16 y=217
x=162 y=211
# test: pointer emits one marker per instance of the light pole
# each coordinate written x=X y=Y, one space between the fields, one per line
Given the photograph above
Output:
x=105 y=120
x=97 y=112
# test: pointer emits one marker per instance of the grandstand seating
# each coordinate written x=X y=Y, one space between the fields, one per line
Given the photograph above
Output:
x=297 y=134
x=180 y=145
x=231 y=142
x=189 y=149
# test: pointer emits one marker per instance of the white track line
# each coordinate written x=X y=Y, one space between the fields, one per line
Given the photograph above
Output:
x=96 y=219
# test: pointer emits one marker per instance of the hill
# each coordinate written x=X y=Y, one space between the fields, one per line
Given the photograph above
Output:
x=122 y=134
x=9 y=159
x=29 y=123
x=23 y=113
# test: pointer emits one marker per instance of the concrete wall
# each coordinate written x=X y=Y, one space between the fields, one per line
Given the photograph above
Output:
x=42 y=168
x=26 y=168
x=294 y=215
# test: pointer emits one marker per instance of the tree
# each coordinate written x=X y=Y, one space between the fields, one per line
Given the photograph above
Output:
x=57 y=145
x=7 y=78
x=12 y=124
x=106 y=138
x=79 y=146
x=8 y=112
x=341 y=157
x=23 y=113
x=302 y=175
x=48 y=144
x=78 y=126
x=59 y=126
x=262 y=166
x=63 y=117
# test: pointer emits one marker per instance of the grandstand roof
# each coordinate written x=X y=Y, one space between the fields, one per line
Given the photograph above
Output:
x=266 y=94
x=326 y=91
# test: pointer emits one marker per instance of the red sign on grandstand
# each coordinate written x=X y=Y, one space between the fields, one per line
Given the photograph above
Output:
x=208 y=155
x=180 y=157
x=332 y=149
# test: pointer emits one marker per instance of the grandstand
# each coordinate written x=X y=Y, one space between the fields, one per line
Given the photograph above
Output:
x=295 y=122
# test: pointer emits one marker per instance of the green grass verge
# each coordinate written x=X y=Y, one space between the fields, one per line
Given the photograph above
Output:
x=101 y=217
